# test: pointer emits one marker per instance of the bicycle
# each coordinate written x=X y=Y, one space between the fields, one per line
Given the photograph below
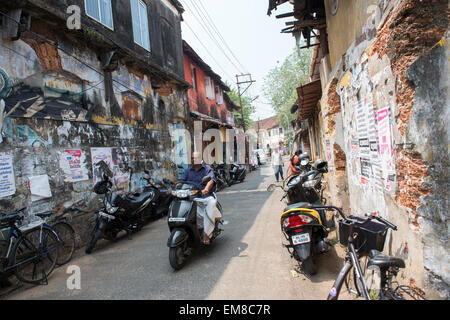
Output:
x=30 y=252
x=65 y=233
x=375 y=280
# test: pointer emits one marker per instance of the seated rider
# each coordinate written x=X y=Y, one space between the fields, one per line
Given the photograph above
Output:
x=194 y=175
x=294 y=162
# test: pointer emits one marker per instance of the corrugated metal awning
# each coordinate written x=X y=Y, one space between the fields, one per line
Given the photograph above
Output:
x=308 y=97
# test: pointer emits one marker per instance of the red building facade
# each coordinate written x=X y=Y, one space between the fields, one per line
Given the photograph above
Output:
x=207 y=96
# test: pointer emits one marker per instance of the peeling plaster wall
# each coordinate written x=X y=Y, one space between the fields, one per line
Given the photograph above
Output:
x=390 y=132
x=55 y=115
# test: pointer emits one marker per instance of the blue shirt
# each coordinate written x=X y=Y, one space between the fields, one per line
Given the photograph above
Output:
x=195 y=177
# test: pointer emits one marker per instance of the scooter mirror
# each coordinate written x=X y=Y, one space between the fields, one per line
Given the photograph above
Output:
x=271 y=188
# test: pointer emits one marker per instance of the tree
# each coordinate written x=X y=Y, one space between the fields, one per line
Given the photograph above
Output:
x=281 y=83
x=246 y=106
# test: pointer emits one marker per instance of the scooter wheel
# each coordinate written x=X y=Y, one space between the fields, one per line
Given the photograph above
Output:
x=96 y=235
x=309 y=266
x=177 y=257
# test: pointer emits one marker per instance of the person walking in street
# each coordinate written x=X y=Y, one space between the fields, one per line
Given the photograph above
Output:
x=277 y=164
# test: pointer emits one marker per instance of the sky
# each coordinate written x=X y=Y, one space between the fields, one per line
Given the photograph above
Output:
x=244 y=28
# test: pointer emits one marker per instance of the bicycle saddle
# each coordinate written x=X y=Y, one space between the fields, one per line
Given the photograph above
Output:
x=384 y=261
x=44 y=214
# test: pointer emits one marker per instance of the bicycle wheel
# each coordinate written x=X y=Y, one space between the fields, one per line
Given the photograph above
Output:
x=67 y=246
x=351 y=281
x=35 y=255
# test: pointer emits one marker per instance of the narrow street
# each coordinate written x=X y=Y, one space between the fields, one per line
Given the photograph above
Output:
x=246 y=262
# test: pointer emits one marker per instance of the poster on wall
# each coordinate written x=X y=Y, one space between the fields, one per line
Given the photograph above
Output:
x=39 y=187
x=328 y=150
x=386 y=151
x=113 y=158
x=72 y=162
x=7 y=182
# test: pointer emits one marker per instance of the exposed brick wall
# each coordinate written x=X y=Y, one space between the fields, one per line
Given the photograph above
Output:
x=334 y=106
x=411 y=172
x=410 y=31
x=340 y=160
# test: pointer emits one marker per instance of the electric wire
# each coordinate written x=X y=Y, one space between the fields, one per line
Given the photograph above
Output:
x=212 y=56
x=220 y=35
x=204 y=22
x=198 y=17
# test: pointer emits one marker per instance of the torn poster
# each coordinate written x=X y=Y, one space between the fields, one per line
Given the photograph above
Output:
x=39 y=187
x=72 y=163
x=113 y=157
x=7 y=182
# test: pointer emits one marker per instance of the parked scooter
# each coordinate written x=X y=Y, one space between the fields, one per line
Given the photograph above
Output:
x=161 y=199
x=219 y=173
x=119 y=212
x=237 y=173
x=302 y=225
x=185 y=234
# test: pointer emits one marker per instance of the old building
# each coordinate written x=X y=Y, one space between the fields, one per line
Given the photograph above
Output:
x=382 y=113
x=269 y=133
x=84 y=81
x=209 y=104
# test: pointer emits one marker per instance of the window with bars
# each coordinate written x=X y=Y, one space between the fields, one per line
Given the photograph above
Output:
x=101 y=11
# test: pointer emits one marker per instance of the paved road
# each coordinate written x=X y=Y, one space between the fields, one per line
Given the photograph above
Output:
x=246 y=262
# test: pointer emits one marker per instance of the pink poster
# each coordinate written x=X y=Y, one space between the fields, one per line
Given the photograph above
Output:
x=385 y=144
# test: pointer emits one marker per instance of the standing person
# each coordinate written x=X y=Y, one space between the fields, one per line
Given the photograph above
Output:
x=277 y=163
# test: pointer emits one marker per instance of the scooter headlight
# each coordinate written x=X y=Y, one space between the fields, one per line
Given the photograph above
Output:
x=304 y=162
x=182 y=193
x=310 y=184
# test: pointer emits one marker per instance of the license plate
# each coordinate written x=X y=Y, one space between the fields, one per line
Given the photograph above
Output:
x=301 y=239
x=177 y=219
x=108 y=216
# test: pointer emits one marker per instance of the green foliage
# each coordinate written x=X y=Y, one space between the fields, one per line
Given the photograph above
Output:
x=246 y=106
x=281 y=83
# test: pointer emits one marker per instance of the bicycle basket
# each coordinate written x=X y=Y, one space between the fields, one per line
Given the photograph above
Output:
x=371 y=234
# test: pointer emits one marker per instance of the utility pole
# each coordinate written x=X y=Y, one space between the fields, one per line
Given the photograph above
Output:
x=249 y=81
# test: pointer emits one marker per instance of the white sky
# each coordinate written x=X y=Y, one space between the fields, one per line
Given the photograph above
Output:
x=253 y=37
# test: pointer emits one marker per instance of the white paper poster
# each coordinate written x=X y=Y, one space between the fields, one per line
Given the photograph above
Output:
x=39 y=187
x=72 y=162
x=7 y=182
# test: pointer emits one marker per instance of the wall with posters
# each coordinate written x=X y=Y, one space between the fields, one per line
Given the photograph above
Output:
x=390 y=134
x=65 y=106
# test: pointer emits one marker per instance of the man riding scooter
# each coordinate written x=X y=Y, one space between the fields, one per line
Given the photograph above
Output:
x=207 y=203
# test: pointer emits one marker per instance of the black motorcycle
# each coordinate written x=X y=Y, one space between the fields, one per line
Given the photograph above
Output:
x=303 y=226
x=221 y=182
x=237 y=173
x=119 y=212
x=161 y=197
x=185 y=235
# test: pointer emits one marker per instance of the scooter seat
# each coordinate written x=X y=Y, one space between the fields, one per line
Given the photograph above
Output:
x=305 y=205
x=384 y=261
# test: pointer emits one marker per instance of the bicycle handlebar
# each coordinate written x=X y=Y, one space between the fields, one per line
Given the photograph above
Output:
x=374 y=215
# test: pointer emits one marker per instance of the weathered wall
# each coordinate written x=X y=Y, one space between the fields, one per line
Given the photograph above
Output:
x=390 y=132
x=340 y=38
x=59 y=98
